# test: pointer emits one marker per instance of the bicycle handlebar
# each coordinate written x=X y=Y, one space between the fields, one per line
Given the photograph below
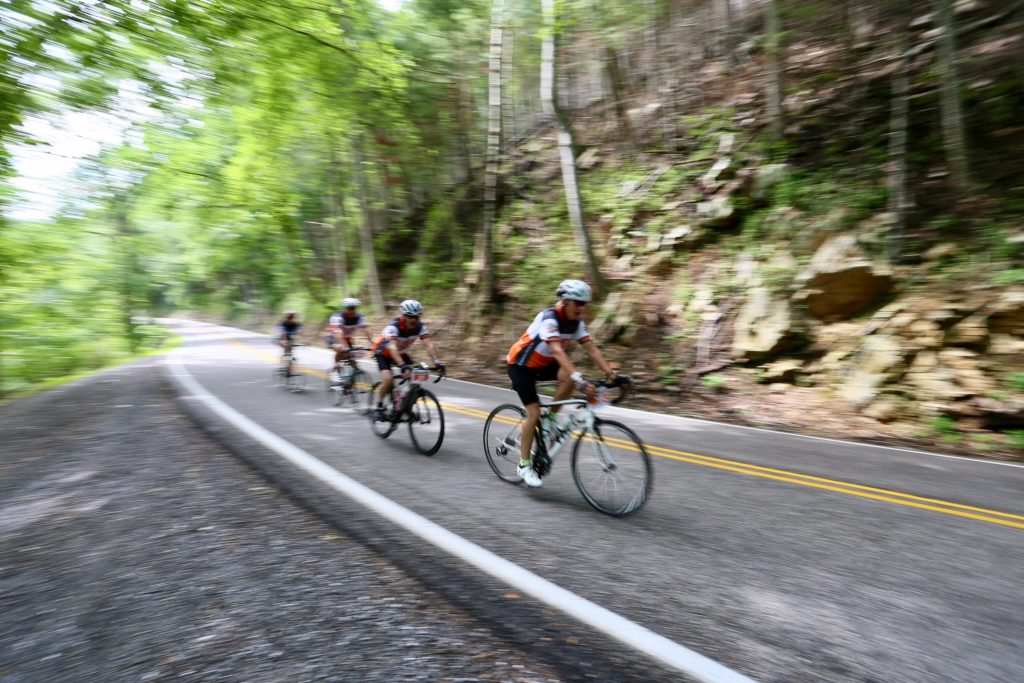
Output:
x=621 y=382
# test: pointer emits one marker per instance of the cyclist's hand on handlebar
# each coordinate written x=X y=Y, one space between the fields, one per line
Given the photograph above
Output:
x=405 y=368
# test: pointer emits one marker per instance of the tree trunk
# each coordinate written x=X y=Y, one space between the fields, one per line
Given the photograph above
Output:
x=128 y=277
x=366 y=229
x=565 y=146
x=898 y=143
x=611 y=65
x=952 y=113
x=489 y=288
x=774 y=50
x=335 y=221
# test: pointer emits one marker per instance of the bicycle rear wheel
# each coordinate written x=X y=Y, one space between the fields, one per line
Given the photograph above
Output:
x=612 y=469
x=354 y=392
x=381 y=426
x=502 y=437
x=334 y=389
x=295 y=379
x=426 y=422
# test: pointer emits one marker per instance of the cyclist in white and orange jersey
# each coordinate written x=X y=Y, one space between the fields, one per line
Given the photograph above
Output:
x=540 y=355
x=399 y=335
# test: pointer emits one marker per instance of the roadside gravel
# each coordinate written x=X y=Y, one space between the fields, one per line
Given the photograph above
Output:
x=134 y=548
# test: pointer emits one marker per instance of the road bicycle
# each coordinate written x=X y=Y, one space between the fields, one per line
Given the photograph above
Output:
x=288 y=374
x=347 y=383
x=414 y=404
x=610 y=465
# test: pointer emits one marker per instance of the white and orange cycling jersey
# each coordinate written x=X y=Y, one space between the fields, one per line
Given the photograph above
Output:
x=533 y=349
x=404 y=336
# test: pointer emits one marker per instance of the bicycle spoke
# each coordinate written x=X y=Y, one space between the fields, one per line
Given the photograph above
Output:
x=611 y=468
x=502 y=434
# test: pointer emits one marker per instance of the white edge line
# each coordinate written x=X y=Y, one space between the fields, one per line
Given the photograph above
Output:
x=614 y=625
x=729 y=425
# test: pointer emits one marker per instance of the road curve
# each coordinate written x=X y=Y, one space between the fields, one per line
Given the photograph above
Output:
x=781 y=557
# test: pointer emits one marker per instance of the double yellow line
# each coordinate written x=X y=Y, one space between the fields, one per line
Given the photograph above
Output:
x=869 y=492
x=834 y=485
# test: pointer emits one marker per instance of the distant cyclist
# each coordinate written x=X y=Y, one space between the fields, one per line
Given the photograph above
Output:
x=341 y=330
x=285 y=330
x=541 y=355
x=399 y=335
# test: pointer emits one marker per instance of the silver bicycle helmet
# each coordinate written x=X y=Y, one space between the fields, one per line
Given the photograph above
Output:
x=349 y=302
x=577 y=290
x=411 y=307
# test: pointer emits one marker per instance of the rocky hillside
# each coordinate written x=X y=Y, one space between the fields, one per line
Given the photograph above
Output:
x=771 y=287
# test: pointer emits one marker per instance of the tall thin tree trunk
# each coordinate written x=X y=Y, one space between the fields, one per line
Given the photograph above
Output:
x=952 y=112
x=774 y=49
x=565 y=146
x=366 y=229
x=336 y=211
x=128 y=277
x=489 y=288
x=611 y=65
x=898 y=144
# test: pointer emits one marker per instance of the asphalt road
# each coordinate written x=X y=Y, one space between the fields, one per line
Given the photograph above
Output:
x=133 y=548
x=784 y=558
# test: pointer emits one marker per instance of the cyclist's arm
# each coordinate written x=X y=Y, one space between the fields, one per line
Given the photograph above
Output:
x=369 y=339
x=598 y=358
x=396 y=355
x=430 y=347
x=560 y=355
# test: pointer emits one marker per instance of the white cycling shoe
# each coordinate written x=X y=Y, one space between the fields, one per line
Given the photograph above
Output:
x=527 y=474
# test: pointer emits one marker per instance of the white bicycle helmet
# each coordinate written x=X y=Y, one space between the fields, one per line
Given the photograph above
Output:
x=577 y=290
x=411 y=307
x=349 y=302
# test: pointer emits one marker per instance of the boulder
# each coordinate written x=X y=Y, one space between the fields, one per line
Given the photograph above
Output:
x=972 y=331
x=1006 y=313
x=717 y=213
x=886 y=408
x=784 y=370
x=766 y=326
x=880 y=362
x=841 y=281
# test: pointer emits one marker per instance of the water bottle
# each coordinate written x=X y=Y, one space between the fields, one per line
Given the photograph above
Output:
x=345 y=374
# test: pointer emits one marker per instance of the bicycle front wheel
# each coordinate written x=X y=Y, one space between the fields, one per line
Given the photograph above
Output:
x=382 y=426
x=426 y=423
x=502 y=436
x=612 y=469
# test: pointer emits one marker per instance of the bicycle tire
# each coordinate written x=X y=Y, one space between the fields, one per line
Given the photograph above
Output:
x=502 y=436
x=612 y=469
x=334 y=390
x=381 y=428
x=296 y=379
x=358 y=386
x=423 y=412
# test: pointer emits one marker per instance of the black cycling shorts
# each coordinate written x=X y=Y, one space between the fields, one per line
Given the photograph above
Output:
x=524 y=380
x=384 y=361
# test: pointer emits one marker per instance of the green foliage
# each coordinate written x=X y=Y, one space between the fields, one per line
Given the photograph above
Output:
x=1010 y=276
x=1016 y=382
x=714 y=382
x=946 y=429
x=1016 y=437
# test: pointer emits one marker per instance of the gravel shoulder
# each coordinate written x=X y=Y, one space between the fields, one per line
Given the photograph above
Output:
x=134 y=547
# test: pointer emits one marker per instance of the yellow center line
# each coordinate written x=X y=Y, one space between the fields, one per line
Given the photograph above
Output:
x=849 y=488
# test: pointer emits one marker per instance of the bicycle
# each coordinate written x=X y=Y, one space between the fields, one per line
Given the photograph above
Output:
x=352 y=382
x=287 y=373
x=414 y=404
x=610 y=465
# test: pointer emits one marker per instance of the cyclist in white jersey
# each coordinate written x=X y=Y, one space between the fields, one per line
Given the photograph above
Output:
x=397 y=337
x=341 y=330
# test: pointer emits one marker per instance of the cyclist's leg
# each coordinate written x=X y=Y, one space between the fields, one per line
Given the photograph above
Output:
x=524 y=383
x=384 y=365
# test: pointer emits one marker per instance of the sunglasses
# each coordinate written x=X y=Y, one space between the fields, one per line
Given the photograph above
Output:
x=581 y=304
